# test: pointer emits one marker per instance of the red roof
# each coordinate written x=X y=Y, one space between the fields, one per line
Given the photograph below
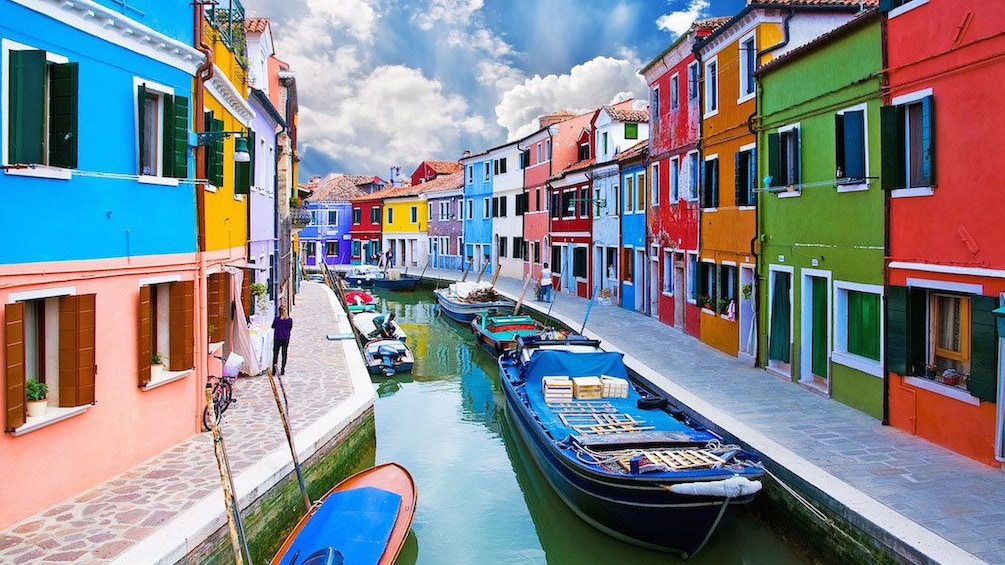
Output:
x=634 y=152
x=255 y=25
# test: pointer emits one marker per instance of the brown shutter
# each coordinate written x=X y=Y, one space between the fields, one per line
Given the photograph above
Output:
x=14 y=356
x=246 y=294
x=182 y=356
x=217 y=290
x=76 y=350
x=145 y=337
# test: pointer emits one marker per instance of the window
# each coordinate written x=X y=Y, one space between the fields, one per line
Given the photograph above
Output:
x=692 y=81
x=486 y=207
x=390 y=215
x=627 y=263
x=460 y=209
x=375 y=215
x=42 y=109
x=429 y=211
x=444 y=209
x=356 y=248
x=357 y=216
x=706 y=285
x=674 y=180
x=674 y=92
x=849 y=143
x=631 y=131
x=640 y=192
x=746 y=176
x=495 y=207
x=727 y=287
x=692 y=277
x=711 y=86
x=611 y=258
x=579 y=262
x=603 y=137
x=55 y=338
x=668 y=273
x=502 y=246
x=860 y=311
x=333 y=217
x=950 y=332
x=693 y=175
x=522 y=203
x=654 y=108
x=488 y=170
x=710 y=184
x=539 y=153
x=783 y=157
x=556 y=259
x=502 y=206
x=414 y=214
x=629 y=182
x=519 y=251
x=499 y=166
x=748 y=64
x=162 y=131
x=213 y=163
x=471 y=208
x=908 y=138
x=331 y=248
x=547 y=149
x=471 y=173
x=524 y=159
x=568 y=205
x=537 y=251
x=584 y=151
x=308 y=250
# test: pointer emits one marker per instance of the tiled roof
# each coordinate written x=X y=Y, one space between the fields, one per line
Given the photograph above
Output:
x=443 y=183
x=627 y=115
x=841 y=3
x=711 y=23
x=445 y=167
x=336 y=187
x=633 y=152
x=255 y=25
x=577 y=166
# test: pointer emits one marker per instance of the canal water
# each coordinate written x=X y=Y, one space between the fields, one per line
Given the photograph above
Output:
x=482 y=500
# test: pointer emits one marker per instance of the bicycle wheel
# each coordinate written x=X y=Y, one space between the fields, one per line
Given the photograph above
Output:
x=218 y=408
x=226 y=397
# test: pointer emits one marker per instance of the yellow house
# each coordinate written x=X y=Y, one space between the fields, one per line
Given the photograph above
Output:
x=404 y=226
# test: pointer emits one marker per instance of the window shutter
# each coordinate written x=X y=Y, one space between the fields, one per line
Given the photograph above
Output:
x=897 y=331
x=145 y=337
x=715 y=183
x=175 y=145
x=738 y=188
x=207 y=125
x=252 y=144
x=885 y=6
x=840 y=170
x=751 y=177
x=14 y=355
x=796 y=164
x=27 y=115
x=141 y=126
x=76 y=350
x=63 y=122
x=217 y=170
x=891 y=132
x=774 y=159
x=983 y=348
x=242 y=178
x=853 y=144
x=216 y=289
x=927 y=142
x=182 y=326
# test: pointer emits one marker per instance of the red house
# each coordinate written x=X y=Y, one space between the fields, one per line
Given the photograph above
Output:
x=364 y=229
x=429 y=170
x=674 y=130
x=942 y=131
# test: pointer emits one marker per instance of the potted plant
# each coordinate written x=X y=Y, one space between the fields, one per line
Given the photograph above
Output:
x=258 y=294
x=747 y=290
x=156 y=366
x=705 y=301
x=724 y=305
x=38 y=397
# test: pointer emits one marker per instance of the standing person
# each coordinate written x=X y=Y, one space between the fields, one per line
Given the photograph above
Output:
x=546 y=283
x=282 y=325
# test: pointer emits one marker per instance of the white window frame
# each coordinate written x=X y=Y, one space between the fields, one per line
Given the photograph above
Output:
x=693 y=72
x=654 y=183
x=691 y=277
x=744 y=60
x=667 y=288
x=694 y=177
x=711 y=102
x=674 y=179
x=486 y=207
x=901 y=100
x=840 y=353
x=864 y=108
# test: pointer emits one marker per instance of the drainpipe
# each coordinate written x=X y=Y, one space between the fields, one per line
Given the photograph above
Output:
x=277 y=248
x=886 y=241
x=202 y=74
x=785 y=36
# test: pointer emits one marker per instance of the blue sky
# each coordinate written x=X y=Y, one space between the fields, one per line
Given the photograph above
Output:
x=387 y=83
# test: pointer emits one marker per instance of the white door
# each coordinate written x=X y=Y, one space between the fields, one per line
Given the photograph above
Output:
x=678 y=296
x=654 y=286
x=639 y=275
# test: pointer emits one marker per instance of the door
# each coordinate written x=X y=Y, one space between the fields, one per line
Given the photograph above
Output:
x=747 y=315
x=780 y=323
x=654 y=285
x=678 y=294
x=639 y=280
x=818 y=329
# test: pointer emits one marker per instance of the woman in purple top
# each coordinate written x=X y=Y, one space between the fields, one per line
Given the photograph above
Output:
x=283 y=325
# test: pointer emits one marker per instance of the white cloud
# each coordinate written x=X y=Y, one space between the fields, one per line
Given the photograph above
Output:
x=447 y=13
x=679 y=22
x=587 y=86
x=358 y=17
x=481 y=39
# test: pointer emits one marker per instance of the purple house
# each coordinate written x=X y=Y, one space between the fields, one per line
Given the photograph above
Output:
x=262 y=250
x=445 y=196
x=327 y=237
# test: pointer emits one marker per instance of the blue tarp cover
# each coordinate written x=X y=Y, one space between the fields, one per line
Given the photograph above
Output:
x=356 y=522
x=545 y=363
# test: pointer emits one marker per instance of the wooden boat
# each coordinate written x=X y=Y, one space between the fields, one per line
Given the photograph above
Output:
x=359 y=301
x=461 y=302
x=363 y=519
x=499 y=333
x=645 y=476
x=364 y=323
x=387 y=357
x=402 y=282
x=363 y=275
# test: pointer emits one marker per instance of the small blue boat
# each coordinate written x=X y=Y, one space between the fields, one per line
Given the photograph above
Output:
x=363 y=275
x=617 y=457
x=403 y=282
x=387 y=357
x=363 y=519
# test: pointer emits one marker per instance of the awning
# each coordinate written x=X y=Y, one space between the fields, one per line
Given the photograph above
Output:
x=247 y=265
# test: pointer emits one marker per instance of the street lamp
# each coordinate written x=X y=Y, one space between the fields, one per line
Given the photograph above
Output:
x=241 y=154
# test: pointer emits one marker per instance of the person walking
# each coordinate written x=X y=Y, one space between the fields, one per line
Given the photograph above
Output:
x=546 y=283
x=282 y=326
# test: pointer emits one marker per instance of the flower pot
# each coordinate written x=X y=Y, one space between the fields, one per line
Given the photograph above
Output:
x=156 y=371
x=951 y=380
x=37 y=408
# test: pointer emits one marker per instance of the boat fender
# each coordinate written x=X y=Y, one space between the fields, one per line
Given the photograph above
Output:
x=677 y=413
x=733 y=487
x=651 y=403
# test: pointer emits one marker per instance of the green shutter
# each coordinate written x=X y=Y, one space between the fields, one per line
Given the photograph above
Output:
x=63 y=134
x=897 y=331
x=175 y=145
x=983 y=348
x=891 y=120
x=840 y=171
x=207 y=161
x=737 y=180
x=854 y=144
x=796 y=166
x=242 y=178
x=252 y=145
x=27 y=107
x=216 y=173
x=141 y=128
x=751 y=177
x=927 y=142
x=863 y=324
x=774 y=159
x=631 y=131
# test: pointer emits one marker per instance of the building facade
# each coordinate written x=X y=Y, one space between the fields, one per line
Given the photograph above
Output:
x=478 y=177
x=445 y=199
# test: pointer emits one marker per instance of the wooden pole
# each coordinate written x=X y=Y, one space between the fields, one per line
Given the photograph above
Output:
x=519 y=303
x=289 y=439
x=482 y=272
x=467 y=270
x=423 y=273
x=228 y=494
x=495 y=275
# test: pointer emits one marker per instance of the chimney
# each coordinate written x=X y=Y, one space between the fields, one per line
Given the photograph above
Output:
x=466 y=154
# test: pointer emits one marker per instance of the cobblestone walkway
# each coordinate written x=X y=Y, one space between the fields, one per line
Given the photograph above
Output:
x=102 y=523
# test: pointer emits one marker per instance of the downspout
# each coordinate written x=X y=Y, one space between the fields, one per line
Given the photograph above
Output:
x=886 y=237
x=785 y=36
x=202 y=74
x=277 y=248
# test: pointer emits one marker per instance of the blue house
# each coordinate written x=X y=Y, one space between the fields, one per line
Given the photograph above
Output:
x=477 y=212
x=633 y=226
x=327 y=238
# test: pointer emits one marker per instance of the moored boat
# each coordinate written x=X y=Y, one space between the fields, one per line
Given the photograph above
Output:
x=499 y=333
x=364 y=323
x=387 y=357
x=622 y=462
x=399 y=282
x=463 y=301
x=359 y=301
x=363 y=275
x=363 y=519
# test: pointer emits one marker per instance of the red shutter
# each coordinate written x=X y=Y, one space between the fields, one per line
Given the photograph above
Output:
x=145 y=337
x=14 y=356
x=182 y=356
x=76 y=350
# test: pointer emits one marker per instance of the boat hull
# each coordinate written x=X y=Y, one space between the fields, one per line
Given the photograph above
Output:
x=405 y=283
x=387 y=357
x=499 y=334
x=374 y=535
x=464 y=312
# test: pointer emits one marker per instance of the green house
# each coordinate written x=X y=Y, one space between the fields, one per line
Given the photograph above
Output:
x=821 y=215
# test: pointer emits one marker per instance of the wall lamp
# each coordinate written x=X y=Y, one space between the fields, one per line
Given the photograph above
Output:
x=241 y=154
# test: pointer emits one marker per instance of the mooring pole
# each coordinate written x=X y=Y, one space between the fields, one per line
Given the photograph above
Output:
x=289 y=439
x=229 y=499
x=467 y=270
x=519 y=303
x=481 y=273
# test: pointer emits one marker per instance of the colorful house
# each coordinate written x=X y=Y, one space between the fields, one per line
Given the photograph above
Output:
x=819 y=154
x=478 y=212
x=445 y=196
x=728 y=57
x=96 y=140
x=675 y=112
x=946 y=269
x=404 y=225
x=507 y=222
x=537 y=169
x=634 y=203
x=327 y=238
x=262 y=248
x=429 y=170
x=364 y=228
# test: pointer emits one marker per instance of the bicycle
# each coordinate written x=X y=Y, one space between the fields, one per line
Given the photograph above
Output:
x=223 y=394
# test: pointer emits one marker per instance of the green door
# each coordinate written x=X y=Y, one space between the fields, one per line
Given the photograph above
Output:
x=818 y=327
x=778 y=336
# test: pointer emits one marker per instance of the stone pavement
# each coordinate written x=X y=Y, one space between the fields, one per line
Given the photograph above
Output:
x=153 y=512
x=949 y=507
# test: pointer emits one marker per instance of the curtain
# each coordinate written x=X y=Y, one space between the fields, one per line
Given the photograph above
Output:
x=778 y=338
